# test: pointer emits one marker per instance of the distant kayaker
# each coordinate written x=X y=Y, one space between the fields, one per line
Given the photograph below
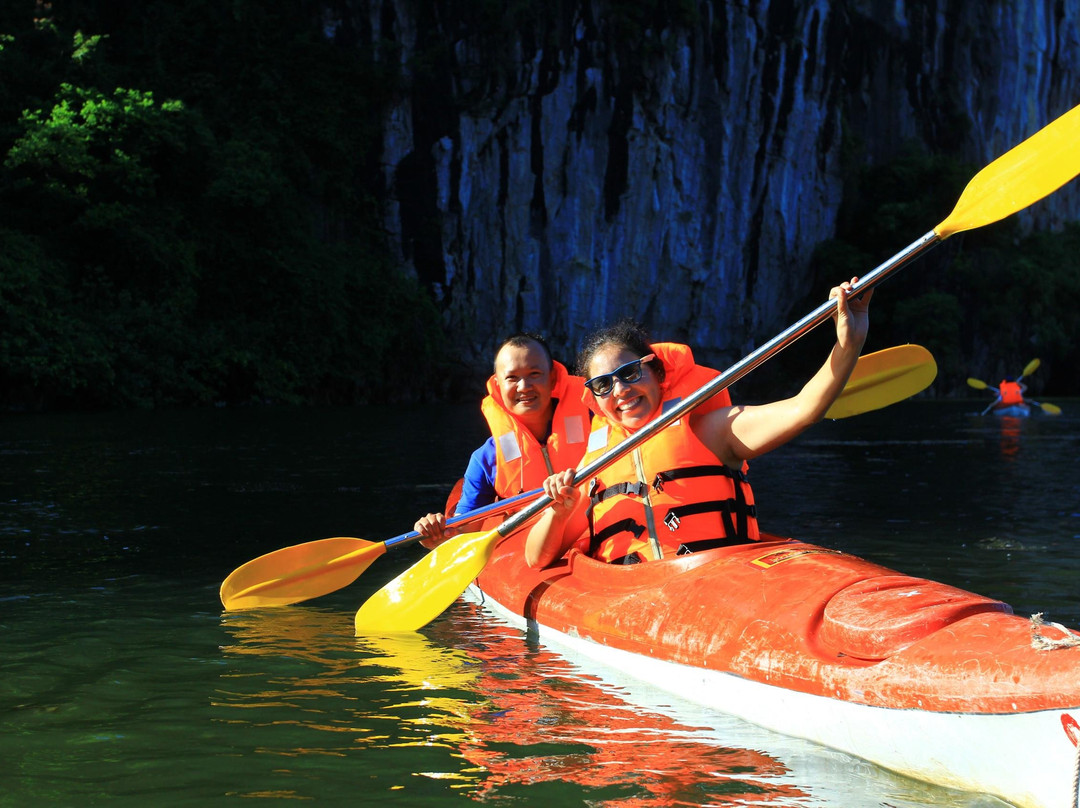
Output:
x=539 y=425
x=685 y=488
x=1010 y=392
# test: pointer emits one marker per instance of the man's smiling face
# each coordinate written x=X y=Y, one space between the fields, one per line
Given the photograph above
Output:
x=523 y=374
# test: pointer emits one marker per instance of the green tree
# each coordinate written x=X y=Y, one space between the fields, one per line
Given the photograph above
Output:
x=173 y=234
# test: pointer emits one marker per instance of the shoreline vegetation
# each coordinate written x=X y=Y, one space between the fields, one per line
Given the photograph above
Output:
x=190 y=216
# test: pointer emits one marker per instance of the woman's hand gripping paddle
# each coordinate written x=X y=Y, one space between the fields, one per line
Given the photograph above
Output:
x=1023 y=175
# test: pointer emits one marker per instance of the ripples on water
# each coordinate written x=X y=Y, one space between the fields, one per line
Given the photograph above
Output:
x=486 y=714
x=124 y=684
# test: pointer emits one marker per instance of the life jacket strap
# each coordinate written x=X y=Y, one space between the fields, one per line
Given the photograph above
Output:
x=628 y=525
x=629 y=558
x=697 y=471
x=707 y=544
x=628 y=489
x=736 y=528
x=684 y=549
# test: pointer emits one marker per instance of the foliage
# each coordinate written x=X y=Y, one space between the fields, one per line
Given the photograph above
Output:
x=1009 y=289
x=1022 y=292
x=182 y=213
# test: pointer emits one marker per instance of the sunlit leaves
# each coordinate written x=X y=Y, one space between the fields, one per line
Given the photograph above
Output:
x=88 y=136
x=186 y=214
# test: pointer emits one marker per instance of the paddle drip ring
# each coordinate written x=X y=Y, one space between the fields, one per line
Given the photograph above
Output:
x=1041 y=642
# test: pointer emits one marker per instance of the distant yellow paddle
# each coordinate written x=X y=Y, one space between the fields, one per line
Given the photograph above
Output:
x=1046 y=406
x=1029 y=368
x=1023 y=175
x=304 y=571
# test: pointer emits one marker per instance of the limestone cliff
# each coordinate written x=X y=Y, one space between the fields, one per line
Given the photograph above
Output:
x=555 y=165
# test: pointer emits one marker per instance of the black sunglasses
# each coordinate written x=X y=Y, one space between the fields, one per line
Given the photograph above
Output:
x=627 y=374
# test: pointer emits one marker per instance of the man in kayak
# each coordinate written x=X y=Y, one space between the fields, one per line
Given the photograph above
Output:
x=684 y=489
x=539 y=425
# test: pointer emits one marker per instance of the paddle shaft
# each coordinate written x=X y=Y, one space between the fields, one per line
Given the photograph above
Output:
x=503 y=506
x=729 y=376
x=1028 y=172
x=879 y=379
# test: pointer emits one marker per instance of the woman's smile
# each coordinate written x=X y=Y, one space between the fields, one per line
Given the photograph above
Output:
x=632 y=404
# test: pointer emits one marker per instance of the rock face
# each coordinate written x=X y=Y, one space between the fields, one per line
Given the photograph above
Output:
x=582 y=162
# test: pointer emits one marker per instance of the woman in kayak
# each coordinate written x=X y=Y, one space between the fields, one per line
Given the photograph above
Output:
x=685 y=488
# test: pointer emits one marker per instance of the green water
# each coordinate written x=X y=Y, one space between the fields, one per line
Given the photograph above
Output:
x=123 y=683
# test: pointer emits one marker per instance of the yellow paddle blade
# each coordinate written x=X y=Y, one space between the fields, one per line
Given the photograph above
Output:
x=428 y=587
x=1030 y=368
x=884 y=378
x=299 y=572
x=1050 y=409
x=977 y=384
x=1020 y=177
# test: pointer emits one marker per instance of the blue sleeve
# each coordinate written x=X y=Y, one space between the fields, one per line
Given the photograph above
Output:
x=478 y=489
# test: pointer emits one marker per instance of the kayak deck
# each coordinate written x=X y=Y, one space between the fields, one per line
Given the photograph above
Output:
x=918 y=676
x=802 y=617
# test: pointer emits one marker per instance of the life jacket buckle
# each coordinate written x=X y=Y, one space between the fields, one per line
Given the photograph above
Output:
x=672 y=521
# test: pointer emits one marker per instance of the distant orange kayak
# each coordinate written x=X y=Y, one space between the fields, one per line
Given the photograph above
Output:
x=919 y=677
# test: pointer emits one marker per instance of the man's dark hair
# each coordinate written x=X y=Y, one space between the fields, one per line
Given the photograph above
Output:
x=523 y=339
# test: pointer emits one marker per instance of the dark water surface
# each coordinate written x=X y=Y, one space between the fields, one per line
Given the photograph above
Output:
x=123 y=683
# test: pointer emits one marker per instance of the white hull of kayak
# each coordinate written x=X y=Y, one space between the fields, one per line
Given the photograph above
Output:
x=1004 y=755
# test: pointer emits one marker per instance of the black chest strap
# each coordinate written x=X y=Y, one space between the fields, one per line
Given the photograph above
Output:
x=735 y=513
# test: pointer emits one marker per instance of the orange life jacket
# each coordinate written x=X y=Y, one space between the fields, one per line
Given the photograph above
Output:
x=671 y=488
x=1011 y=393
x=522 y=462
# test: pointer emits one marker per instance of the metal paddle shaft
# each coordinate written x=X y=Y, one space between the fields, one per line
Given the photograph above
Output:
x=1022 y=176
x=308 y=570
x=497 y=508
x=421 y=593
x=727 y=378
x=1038 y=166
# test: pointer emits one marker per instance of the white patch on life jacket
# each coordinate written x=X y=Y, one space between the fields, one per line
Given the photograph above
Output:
x=574 y=427
x=508 y=445
x=597 y=439
x=667 y=405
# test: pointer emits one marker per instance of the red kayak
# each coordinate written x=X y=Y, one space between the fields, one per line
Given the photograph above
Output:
x=922 y=678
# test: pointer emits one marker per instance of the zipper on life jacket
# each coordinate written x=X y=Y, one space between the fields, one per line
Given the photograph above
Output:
x=646 y=500
x=547 y=459
x=547 y=464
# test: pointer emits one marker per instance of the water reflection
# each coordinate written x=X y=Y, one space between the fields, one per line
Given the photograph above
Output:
x=548 y=723
x=1010 y=437
x=123 y=684
x=488 y=713
x=508 y=714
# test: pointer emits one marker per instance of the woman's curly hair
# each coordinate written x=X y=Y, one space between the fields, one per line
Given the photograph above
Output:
x=626 y=333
